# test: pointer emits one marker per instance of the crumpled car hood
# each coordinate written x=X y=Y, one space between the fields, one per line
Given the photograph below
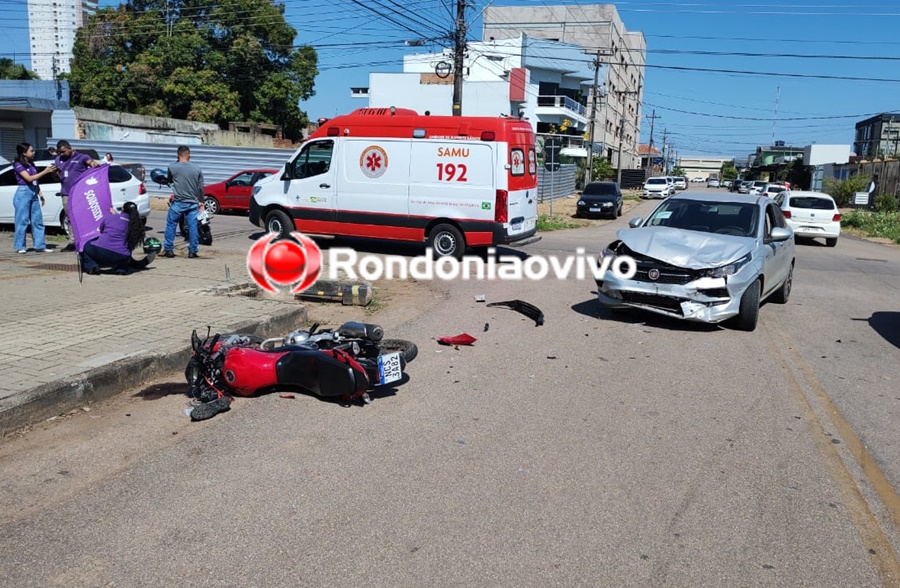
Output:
x=687 y=249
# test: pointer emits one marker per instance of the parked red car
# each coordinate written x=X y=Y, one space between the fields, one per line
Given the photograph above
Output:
x=234 y=193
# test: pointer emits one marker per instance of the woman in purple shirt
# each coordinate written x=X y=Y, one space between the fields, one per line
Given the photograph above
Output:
x=28 y=200
x=120 y=233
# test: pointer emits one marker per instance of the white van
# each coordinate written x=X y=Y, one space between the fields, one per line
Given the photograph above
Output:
x=450 y=182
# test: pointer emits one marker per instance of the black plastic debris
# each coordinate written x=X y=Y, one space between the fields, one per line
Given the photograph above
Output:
x=529 y=310
x=486 y=327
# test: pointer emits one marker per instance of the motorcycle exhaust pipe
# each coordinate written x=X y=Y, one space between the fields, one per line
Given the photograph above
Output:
x=355 y=330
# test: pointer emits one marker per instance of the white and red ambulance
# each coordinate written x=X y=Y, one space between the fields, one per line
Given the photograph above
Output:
x=389 y=173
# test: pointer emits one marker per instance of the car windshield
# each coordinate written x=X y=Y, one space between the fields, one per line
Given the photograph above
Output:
x=600 y=190
x=811 y=202
x=657 y=181
x=724 y=218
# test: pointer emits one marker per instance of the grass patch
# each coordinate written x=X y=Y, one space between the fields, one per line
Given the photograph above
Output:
x=873 y=224
x=557 y=222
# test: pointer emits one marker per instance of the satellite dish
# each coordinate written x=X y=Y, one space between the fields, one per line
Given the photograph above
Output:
x=443 y=69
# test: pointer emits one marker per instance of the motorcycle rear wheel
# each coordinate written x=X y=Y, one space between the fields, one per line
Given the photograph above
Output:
x=407 y=349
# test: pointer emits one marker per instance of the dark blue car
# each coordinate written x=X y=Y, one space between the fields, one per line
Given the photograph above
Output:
x=600 y=199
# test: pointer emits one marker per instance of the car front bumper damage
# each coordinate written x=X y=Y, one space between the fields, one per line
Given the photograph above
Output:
x=697 y=298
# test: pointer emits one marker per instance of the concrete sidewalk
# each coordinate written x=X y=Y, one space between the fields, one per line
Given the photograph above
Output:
x=67 y=344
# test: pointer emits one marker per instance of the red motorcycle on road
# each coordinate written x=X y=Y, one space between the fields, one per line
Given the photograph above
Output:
x=345 y=364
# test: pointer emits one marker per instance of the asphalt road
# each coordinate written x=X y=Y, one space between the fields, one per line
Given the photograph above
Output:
x=596 y=450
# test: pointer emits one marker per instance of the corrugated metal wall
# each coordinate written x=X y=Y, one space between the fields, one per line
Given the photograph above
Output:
x=218 y=163
x=558 y=184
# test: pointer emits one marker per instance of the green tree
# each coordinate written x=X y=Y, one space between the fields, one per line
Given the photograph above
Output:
x=219 y=61
x=843 y=191
x=10 y=70
x=602 y=170
x=798 y=175
x=678 y=171
x=728 y=171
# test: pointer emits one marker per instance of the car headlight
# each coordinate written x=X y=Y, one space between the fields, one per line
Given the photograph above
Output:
x=730 y=269
x=606 y=253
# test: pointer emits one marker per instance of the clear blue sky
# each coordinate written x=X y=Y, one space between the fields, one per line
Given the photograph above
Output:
x=719 y=112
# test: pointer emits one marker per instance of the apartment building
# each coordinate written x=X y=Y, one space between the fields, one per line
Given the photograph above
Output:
x=51 y=33
x=602 y=35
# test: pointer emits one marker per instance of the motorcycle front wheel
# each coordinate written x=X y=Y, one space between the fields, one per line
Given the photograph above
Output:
x=407 y=349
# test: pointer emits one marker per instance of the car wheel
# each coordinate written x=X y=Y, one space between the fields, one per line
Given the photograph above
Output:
x=280 y=223
x=446 y=240
x=781 y=295
x=831 y=242
x=749 y=310
x=211 y=204
x=619 y=213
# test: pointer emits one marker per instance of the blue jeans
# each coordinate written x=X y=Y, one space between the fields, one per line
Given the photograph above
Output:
x=176 y=209
x=94 y=257
x=27 y=207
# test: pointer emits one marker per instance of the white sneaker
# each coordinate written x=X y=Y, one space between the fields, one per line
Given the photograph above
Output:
x=22 y=251
x=46 y=250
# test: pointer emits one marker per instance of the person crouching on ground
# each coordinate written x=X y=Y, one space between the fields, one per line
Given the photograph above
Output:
x=120 y=233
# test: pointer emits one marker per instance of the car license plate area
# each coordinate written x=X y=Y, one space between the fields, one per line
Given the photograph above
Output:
x=595 y=209
x=389 y=369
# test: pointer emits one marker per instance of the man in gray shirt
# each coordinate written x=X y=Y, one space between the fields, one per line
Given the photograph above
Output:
x=186 y=180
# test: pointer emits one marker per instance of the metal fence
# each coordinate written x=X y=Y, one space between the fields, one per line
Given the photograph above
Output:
x=556 y=184
x=218 y=163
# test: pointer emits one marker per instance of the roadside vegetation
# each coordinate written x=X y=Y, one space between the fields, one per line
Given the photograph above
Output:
x=883 y=222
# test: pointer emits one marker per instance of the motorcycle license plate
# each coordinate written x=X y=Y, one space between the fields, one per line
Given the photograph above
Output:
x=389 y=369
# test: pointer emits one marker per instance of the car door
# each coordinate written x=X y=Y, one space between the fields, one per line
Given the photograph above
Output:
x=8 y=187
x=237 y=191
x=312 y=186
x=778 y=253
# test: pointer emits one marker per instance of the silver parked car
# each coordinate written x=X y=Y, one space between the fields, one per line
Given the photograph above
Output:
x=704 y=257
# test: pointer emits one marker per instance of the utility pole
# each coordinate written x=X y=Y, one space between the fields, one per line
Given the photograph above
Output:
x=650 y=146
x=459 y=55
x=665 y=153
x=588 y=172
x=619 y=158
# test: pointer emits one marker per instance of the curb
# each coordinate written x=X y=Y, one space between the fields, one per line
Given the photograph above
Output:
x=54 y=398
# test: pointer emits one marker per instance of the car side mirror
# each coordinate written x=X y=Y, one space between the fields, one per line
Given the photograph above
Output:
x=779 y=234
x=287 y=175
x=635 y=222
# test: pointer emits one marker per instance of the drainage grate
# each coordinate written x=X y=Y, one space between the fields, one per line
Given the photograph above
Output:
x=59 y=267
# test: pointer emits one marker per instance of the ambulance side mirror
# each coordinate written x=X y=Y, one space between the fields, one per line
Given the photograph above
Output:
x=287 y=175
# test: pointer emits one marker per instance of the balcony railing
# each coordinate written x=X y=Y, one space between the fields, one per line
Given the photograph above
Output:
x=563 y=102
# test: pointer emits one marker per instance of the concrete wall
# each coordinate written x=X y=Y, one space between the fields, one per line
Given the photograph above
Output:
x=104 y=126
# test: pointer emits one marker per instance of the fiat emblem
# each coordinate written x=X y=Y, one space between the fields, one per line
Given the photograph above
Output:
x=653 y=274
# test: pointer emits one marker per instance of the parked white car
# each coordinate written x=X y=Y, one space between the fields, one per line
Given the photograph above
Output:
x=124 y=187
x=757 y=187
x=681 y=183
x=811 y=214
x=772 y=190
x=657 y=187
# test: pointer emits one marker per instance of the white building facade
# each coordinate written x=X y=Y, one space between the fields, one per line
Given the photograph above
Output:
x=601 y=34
x=546 y=82
x=51 y=31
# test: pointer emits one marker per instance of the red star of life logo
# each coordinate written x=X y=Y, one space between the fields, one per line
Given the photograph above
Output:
x=373 y=161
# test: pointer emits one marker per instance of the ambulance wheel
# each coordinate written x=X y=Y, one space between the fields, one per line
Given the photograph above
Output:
x=447 y=240
x=279 y=222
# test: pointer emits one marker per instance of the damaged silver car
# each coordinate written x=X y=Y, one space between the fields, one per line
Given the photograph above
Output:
x=704 y=257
